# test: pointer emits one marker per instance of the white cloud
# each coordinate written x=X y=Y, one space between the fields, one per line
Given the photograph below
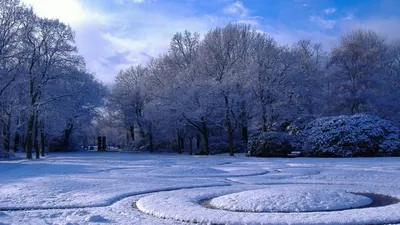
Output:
x=88 y=25
x=384 y=26
x=135 y=39
x=288 y=36
x=237 y=9
x=324 y=24
x=68 y=11
x=123 y=44
x=329 y=10
x=98 y=35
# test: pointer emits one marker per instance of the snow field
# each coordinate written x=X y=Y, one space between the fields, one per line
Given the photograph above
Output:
x=183 y=205
x=121 y=188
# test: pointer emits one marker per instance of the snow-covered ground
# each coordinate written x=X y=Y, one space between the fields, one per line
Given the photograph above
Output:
x=142 y=188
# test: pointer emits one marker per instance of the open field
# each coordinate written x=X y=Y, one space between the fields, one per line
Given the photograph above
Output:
x=142 y=188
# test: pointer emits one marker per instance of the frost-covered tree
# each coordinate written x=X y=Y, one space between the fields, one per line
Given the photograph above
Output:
x=130 y=97
x=236 y=77
x=357 y=64
x=183 y=72
x=39 y=73
x=388 y=104
x=180 y=93
x=77 y=96
x=49 y=46
x=309 y=78
x=12 y=15
x=224 y=52
x=270 y=78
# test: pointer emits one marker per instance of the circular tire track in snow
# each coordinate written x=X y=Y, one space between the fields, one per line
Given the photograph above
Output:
x=108 y=202
x=378 y=200
x=198 y=171
x=288 y=199
x=184 y=205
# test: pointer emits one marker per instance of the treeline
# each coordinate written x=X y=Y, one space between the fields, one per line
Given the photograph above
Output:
x=46 y=94
x=237 y=81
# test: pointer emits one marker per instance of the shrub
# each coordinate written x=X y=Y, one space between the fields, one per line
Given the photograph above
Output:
x=280 y=126
x=299 y=124
x=349 y=136
x=271 y=144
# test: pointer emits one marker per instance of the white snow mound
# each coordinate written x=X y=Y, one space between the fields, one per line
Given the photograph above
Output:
x=289 y=199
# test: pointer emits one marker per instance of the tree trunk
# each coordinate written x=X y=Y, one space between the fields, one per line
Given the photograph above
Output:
x=229 y=127
x=243 y=120
x=67 y=135
x=99 y=148
x=264 y=121
x=151 y=141
x=16 y=142
x=23 y=142
x=132 y=132
x=178 y=142
x=198 y=141
x=35 y=138
x=264 y=125
x=28 y=138
x=230 y=139
x=32 y=110
x=7 y=136
x=245 y=134
x=42 y=143
x=191 y=146
x=182 y=142
x=205 y=136
x=141 y=131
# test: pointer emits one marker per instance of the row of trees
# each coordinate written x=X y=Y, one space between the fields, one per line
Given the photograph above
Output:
x=237 y=80
x=46 y=94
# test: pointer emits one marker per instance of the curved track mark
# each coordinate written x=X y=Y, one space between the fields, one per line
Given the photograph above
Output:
x=109 y=202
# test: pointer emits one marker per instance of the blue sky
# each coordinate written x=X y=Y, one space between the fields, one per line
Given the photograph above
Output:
x=114 y=34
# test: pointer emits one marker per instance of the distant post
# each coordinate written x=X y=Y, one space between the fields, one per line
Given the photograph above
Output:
x=99 y=146
x=104 y=144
